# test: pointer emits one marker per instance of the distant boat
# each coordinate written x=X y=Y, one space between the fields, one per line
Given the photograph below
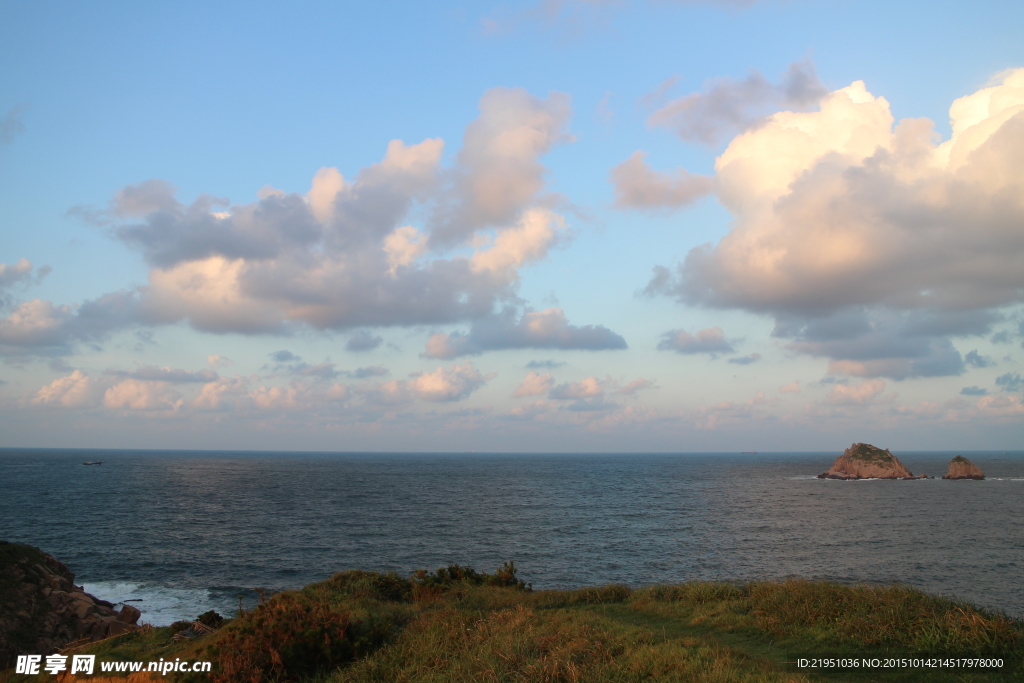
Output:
x=91 y=462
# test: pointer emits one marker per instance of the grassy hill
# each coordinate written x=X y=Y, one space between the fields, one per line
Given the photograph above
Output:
x=460 y=625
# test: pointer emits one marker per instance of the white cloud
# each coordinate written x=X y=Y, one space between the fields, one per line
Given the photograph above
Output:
x=528 y=240
x=841 y=214
x=76 y=390
x=448 y=384
x=710 y=340
x=343 y=256
x=35 y=322
x=534 y=384
x=838 y=207
x=142 y=395
x=855 y=394
x=791 y=388
x=498 y=174
x=403 y=246
x=589 y=387
x=20 y=273
x=223 y=394
x=639 y=186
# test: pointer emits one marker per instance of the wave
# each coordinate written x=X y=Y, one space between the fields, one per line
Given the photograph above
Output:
x=162 y=605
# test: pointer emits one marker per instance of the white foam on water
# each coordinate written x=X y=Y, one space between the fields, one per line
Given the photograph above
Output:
x=160 y=605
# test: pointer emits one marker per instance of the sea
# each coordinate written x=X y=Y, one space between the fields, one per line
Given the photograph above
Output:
x=178 y=533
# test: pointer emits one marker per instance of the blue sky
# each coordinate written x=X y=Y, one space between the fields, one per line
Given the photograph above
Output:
x=558 y=226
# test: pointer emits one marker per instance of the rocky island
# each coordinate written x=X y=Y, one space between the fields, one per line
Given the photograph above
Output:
x=864 y=461
x=42 y=610
x=962 y=468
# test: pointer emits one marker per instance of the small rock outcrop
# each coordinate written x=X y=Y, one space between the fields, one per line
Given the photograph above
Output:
x=962 y=468
x=864 y=461
x=42 y=610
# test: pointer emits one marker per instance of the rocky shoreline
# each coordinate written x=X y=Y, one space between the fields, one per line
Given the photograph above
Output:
x=44 y=611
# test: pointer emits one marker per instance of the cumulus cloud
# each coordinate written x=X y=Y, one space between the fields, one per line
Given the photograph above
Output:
x=443 y=385
x=973 y=391
x=448 y=384
x=170 y=391
x=76 y=390
x=18 y=274
x=589 y=387
x=746 y=360
x=726 y=105
x=547 y=329
x=297 y=397
x=855 y=394
x=534 y=384
x=141 y=395
x=710 y=340
x=845 y=217
x=148 y=388
x=498 y=172
x=639 y=186
x=38 y=327
x=11 y=274
x=343 y=256
x=791 y=388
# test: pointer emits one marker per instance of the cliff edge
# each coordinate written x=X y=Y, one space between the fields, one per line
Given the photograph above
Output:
x=42 y=610
x=864 y=461
x=962 y=468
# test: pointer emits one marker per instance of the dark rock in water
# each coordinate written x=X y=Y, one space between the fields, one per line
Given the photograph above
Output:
x=962 y=468
x=864 y=461
x=42 y=610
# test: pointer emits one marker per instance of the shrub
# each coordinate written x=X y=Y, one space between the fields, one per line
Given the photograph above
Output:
x=289 y=637
x=425 y=584
x=359 y=584
x=211 y=619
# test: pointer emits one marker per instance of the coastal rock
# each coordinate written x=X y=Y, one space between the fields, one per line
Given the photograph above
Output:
x=962 y=468
x=42 y=610
x=864 y=461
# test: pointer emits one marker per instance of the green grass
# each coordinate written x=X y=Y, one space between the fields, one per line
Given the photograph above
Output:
x=868 y=453
x=460 y=625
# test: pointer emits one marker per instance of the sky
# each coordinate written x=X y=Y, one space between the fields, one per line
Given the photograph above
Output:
x=555 y=226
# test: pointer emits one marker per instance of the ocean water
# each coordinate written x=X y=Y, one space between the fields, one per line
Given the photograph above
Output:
x=183 y=532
